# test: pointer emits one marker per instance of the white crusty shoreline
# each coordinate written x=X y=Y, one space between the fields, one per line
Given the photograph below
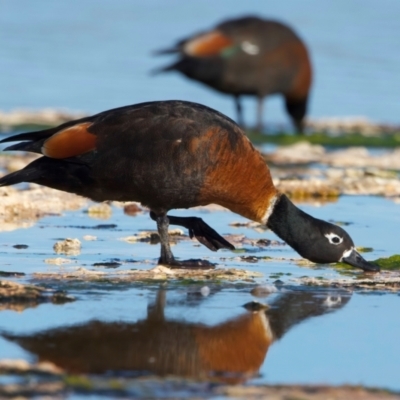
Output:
x=16 y=118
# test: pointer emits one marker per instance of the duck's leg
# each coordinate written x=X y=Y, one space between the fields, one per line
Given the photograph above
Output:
x=239 y=111
x=259 y=114
x=166 y=257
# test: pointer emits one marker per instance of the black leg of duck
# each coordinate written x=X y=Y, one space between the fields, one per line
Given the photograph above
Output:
x=239 y=111
x=299 y=126
x=166 y=257
x=260 y=114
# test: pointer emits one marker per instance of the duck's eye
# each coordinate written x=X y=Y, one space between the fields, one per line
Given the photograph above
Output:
x=333 y=238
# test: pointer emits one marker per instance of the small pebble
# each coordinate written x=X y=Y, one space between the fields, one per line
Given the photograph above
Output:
x=237 y=224
x=132 y=209
x=100 y=211
x=57 y=261
x=20 y=246
x=175 y=232
x=249 y=259
x=89 y=237
x=150 y=236
x=111 y=264
x=332 y=301
x=205 y=291
x=263 y=290
x=68 y=246
x=263 y=242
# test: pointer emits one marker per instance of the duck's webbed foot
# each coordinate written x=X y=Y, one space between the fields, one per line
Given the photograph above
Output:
x=191 y=264
x=201 y=231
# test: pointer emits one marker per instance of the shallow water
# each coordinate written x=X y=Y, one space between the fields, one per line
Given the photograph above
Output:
x=372 y=222
x=307 y=336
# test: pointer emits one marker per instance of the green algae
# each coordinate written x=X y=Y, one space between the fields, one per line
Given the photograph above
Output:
x=79 y=382
x=17 y=128
x=340 y=223
x=391 y=263
x=384 y=140
x=189 y=282
x=276 y=275
x=240 y=250
x=364 y=249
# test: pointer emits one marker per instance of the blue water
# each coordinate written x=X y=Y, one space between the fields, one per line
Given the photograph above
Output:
x=93 y=55
x=373 y=222
x=355 y=344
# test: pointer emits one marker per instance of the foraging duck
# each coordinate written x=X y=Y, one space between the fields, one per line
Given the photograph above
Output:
x=249 y=56
x=176 y=154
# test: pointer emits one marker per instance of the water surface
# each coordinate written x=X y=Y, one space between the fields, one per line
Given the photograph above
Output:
x=95 y=55
x=306 y=336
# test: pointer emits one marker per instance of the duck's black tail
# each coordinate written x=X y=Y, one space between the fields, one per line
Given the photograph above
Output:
x=167 y=68
x=70 y=175
x=170 y=50
x=24 y=175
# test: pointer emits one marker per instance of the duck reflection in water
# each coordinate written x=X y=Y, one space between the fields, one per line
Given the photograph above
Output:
x=230 y=352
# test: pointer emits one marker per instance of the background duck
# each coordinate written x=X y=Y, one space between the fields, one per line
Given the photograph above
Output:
x=249 y=56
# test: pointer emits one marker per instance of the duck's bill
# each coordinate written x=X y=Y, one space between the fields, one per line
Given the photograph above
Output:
x=355 y=260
